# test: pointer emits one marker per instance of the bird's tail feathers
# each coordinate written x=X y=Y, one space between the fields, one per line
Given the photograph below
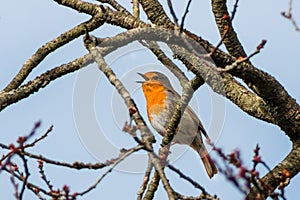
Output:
x=208 y=163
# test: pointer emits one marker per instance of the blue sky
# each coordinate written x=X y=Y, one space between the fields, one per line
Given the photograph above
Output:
x=88 y=136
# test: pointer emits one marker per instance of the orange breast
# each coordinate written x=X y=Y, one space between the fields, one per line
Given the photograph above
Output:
x=155 y=97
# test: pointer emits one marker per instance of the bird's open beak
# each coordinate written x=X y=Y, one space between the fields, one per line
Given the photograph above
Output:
x=143 y=76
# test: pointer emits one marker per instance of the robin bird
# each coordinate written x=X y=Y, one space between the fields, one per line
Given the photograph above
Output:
x=161 y=100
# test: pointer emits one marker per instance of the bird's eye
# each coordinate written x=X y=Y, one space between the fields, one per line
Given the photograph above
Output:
x=155 y=77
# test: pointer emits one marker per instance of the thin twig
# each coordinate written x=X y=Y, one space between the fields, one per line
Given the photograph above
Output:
x=49 y=130
x=184 y=15
x=123 y=155
x=288 y=15
x=21 y=145
x=43 y=175
x=234 y=11
x=241 y=60
x=173 y=12
x=201 y=197
x=187 y=178
x=26 y=176
x=13 y=181
x=30 y=186
x=74 y=165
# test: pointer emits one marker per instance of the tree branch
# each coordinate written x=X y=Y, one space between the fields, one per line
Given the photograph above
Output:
x=116 y=6
x=143 y=187
x=15 y=95
x=122 y=156
x=288 y=15
x=272 y=180
x=227 y=32
x=82 y=6
x=50 y=47
x=156 y=13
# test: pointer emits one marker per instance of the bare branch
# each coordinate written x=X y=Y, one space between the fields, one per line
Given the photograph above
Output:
x=83 y=7
x=135 y=8
x=282 y=173
x=152 y=186
x=15 y=95
x=145 y=181
x=25 y=175
x=124 y=154
x=116 y=6
x=227 y=32
x=50 y=47
x=241 y=60
x=189 y=179
x=288 y=15
x=156 y=13
x=43 y=175
x=184 y=15
x=172 y=11
x=13 y=181
x=19 y=148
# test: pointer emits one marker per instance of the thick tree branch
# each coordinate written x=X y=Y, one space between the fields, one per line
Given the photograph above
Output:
x=82 y=6
x=226 y=85
x=156 y=13
x=152 y=187
x=226 y=29
x=123 y=20
x=284 y=109
x=282 y=106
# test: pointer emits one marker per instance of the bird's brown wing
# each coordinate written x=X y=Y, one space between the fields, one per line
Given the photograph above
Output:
x=191 y=112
